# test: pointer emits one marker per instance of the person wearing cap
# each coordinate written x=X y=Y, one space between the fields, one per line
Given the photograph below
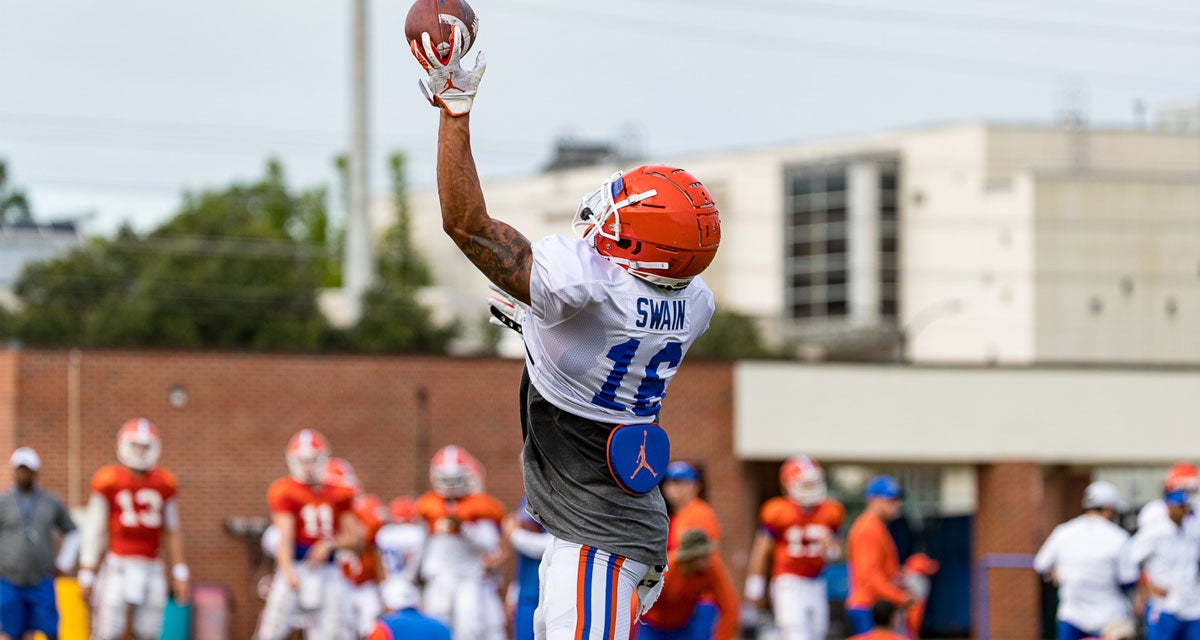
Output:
x=1168 y=552
x=29 y=521
x=871 y=556
x=691 y=574
x=1087 y=558
x=404 y=621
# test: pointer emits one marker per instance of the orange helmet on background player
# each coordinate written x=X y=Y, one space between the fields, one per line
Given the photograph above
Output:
x=138 y=444
x=803 y=481
x=307 y=456
x=339 y=471
x=659 y=223
x=372 y=504
x=402 y=509
x=1183 y=476
x=454 y=473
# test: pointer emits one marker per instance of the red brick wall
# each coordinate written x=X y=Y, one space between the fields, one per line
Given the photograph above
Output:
x=1008 y=520
x=226 y=444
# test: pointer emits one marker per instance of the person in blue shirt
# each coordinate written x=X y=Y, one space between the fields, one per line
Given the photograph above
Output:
x=405 y=622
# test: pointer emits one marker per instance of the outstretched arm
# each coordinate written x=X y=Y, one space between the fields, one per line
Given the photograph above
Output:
x=494 y=247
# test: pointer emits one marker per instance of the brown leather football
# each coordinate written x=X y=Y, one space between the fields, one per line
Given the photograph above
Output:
x=436 y=17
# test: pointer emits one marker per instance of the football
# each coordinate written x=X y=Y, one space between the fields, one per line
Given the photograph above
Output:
x=436 y=17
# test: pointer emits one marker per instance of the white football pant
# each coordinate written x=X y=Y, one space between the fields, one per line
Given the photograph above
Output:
x=586 y=593
x=366 y=607
x=320 y=603
x=130 y=582
x=801 y=607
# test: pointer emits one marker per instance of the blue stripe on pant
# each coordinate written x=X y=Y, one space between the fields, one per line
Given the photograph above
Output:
x=1168 y=627
x=28 y=608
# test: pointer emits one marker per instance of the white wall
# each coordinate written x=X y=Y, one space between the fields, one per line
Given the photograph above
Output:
x=913 y=414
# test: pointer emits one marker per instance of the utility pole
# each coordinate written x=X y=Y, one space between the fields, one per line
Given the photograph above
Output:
x=358 y=260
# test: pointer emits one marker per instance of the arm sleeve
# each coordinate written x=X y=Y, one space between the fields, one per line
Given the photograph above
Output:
x=727 y=601
x=529 y=543
x=171 y=515
x=68 y=552
x=483 y=535
x=94 y=525
x=868 y=557
x=62 y=520
x=1044 y=561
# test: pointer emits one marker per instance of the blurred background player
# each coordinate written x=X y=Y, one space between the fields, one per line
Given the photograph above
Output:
x=917 y=579
x=363 y=569
x=464 y=528
x=134 y=505
x=400 y=541
x=404 y=621
x=871 y=555
x=1086 y=558
x=883 y=617
x=682 y=488
x=1182 y=476
x=529 y=540
x=314 y=519
x=1169 y=554
x=797 y=536
x=693 y=575
x=30 y=520
x=611 y=315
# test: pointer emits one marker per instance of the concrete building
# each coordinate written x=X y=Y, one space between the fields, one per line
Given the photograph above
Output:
x=976 y=243
x=22 y=243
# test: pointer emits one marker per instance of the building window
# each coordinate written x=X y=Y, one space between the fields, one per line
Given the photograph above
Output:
x=819 y=228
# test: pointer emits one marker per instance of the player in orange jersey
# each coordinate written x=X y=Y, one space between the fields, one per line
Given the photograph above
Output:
x=365 y=570
x=464 y=529
x=133 y=504
x=797 y=536
x=314 y=519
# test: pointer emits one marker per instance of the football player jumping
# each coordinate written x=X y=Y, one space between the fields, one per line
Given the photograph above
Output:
x=464 y=528
x=797 y=536
x=314 y=519
x=611 y=315
x=133 y=504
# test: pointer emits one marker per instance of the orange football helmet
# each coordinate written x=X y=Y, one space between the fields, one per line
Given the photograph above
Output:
x=1183 y=475
x=803 y=481
x=138 y=444
x=307 y=456
x=659 y=223
x=339 y=471
x=454 y=473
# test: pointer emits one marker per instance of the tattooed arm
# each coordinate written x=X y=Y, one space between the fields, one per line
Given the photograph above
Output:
x=495 y=248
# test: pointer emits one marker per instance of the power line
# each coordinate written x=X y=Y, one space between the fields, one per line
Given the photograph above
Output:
x=1008 y=25
x=766 y=39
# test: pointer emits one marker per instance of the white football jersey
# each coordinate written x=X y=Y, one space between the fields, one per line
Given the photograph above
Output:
x=603 y=344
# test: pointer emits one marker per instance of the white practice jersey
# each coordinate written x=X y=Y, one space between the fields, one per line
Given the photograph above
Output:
x=1170 y=556
x=1089 y=557
x=399 y=547
x=603 y=344
x=459 y=556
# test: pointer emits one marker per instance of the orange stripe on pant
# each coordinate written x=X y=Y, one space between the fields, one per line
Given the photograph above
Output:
x=612 y=607
x=580 y=588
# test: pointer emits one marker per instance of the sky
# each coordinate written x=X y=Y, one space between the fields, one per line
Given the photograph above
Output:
x=110 y=111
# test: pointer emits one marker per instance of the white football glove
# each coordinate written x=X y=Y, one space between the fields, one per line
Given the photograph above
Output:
x=649 y=589
x=449 y=85
x=506 y=310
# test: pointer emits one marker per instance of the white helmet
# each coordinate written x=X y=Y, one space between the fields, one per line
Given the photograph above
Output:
x=454 y=473
x=307 y=456
x=138 y=444
x=803 y=481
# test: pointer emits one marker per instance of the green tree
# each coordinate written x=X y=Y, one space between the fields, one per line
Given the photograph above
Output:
x=393 y=318
x=235 y=268
x=731 y=336
x=14 y=206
